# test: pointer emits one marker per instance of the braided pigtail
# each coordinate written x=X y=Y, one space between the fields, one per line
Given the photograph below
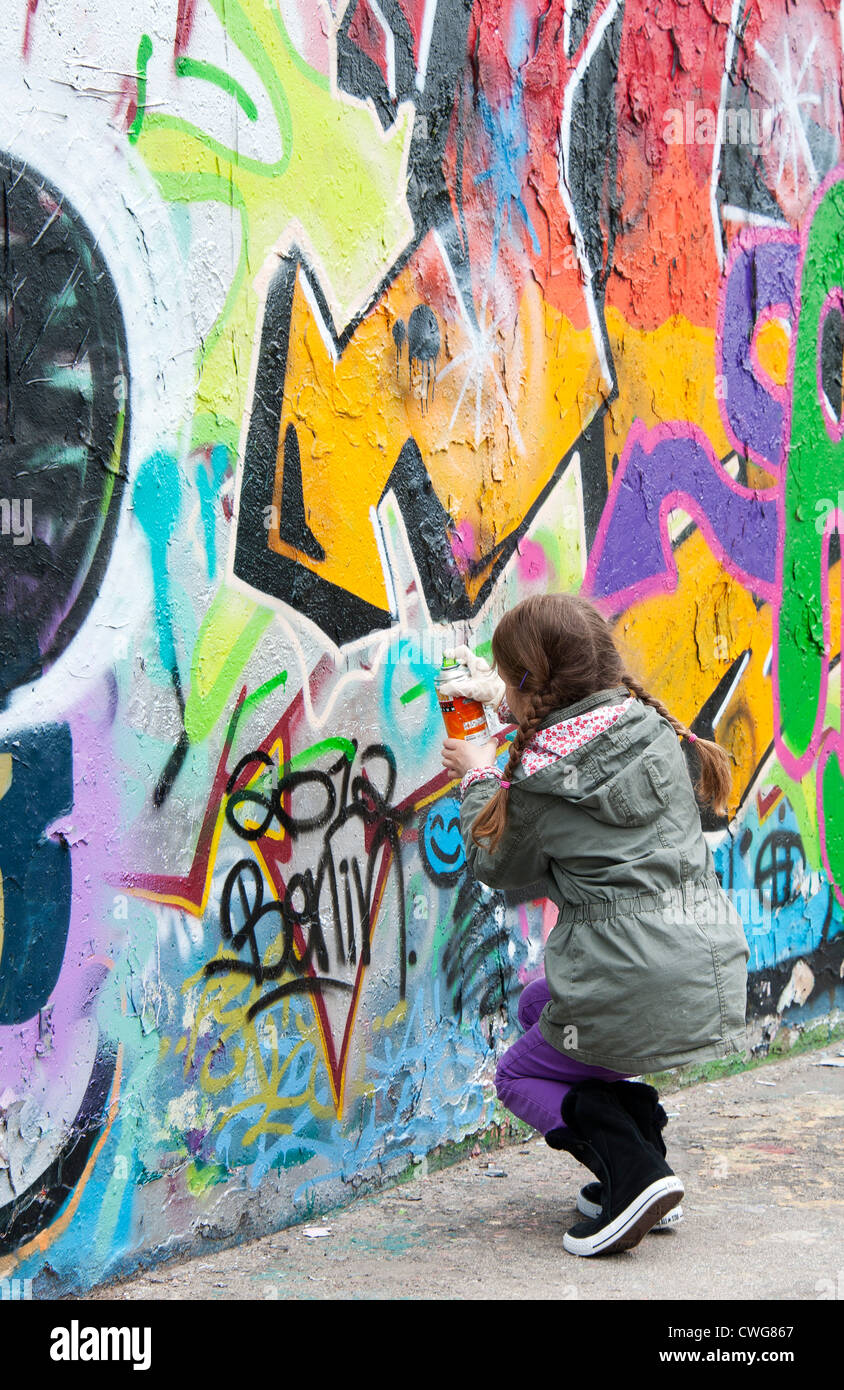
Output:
x=489 y=825
x=715 y=781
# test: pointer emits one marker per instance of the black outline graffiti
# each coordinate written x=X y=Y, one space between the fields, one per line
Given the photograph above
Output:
x=35 y=1208
x=358 y=798
x=59 y=301
x=337 y=611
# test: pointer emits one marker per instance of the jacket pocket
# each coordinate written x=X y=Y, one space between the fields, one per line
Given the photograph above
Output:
x=637 y=794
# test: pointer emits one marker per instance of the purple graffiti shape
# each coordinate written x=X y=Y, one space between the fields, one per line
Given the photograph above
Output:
x=675 y=466
x=759 y=285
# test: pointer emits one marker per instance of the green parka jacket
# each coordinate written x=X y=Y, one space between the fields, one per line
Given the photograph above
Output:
x=646 y=965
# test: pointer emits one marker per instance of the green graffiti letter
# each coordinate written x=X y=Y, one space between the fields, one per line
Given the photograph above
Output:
x=815 y=473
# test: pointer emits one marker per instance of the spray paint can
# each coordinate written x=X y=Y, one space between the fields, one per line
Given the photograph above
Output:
x=463 y=718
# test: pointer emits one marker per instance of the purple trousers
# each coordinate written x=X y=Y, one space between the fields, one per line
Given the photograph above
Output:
x=532 y=1076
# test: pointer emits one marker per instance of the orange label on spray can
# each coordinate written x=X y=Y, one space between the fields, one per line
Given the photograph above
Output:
x=463 y=718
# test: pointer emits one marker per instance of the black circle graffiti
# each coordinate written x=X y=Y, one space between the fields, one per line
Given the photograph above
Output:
x=423 y=345
x=423 y=334
x=781 y=859
x=64 y=421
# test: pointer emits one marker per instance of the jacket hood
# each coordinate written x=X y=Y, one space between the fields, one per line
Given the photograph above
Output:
x=620 y=772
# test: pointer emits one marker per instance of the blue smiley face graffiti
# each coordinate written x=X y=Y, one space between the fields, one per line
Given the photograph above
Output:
x=441 y=842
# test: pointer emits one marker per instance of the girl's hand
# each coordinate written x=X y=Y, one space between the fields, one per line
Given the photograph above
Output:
x=459 y=757
x=482 y=682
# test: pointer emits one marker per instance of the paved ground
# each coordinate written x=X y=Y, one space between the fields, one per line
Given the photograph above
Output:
x=761 y=1157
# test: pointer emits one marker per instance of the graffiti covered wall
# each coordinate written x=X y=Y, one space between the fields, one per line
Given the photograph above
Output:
x=331 y=330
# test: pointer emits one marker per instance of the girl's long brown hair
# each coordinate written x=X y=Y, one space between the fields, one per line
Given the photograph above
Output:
x=559 y=649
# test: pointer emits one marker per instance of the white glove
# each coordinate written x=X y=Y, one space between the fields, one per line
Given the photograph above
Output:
x=482 y=683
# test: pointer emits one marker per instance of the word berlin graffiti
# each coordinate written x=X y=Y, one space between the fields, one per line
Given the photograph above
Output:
x=327 y=913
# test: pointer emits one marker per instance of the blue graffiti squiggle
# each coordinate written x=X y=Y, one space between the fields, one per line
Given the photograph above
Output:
x=761 y=867
x=422 y=1094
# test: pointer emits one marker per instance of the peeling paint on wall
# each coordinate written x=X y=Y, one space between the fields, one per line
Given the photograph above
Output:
x=332 y=330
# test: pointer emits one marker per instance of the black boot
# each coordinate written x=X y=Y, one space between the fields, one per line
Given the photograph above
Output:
x=637 y=1185
x=642 y=1104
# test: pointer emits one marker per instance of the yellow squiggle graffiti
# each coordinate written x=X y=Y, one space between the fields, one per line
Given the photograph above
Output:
x=258 y=1064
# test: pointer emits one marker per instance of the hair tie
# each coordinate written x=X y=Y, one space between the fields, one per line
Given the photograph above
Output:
x=504 y=784
x=692 y=738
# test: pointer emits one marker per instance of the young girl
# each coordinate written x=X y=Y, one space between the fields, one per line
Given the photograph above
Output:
x=646 y=965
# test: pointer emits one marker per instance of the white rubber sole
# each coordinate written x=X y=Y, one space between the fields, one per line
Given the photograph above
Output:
x=668 y=1222
x=628 y=1228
